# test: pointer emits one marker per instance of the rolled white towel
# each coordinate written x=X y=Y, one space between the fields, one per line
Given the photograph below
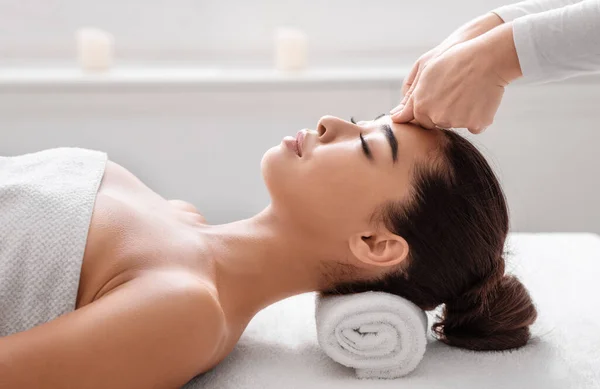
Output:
x=379 y=334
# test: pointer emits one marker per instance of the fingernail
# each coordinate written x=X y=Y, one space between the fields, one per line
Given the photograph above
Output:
x=397 y=109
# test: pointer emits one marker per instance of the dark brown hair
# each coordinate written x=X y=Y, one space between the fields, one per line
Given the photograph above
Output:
x=456 y=225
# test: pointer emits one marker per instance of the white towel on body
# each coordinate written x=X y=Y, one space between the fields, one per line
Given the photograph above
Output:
x=46 y=204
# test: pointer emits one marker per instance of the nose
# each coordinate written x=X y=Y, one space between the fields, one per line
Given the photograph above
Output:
x=331 y=127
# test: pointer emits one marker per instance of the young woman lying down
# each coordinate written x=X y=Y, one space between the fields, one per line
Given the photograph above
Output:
x=106 y=284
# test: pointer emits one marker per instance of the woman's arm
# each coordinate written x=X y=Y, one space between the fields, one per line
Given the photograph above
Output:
x=512 y=11
x=152 y=332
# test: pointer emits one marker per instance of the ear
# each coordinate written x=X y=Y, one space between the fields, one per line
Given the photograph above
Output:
x=381 y=248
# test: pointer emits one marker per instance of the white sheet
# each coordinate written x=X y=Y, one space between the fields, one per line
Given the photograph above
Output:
x=562 y=272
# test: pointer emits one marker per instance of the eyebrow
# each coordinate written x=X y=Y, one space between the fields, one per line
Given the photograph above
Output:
x=391 y=138
x=389 y=135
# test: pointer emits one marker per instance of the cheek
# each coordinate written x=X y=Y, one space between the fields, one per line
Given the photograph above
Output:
x=337 y=187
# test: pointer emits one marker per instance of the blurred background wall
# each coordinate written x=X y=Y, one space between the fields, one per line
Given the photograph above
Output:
x=202 y=139
x=232 y=30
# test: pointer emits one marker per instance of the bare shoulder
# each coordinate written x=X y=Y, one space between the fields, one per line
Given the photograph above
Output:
x=158 y=330
x=192 y=300
x=196 y=314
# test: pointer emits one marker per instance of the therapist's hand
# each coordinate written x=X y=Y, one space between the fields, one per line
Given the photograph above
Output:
x=468 y=31
x=463 y=86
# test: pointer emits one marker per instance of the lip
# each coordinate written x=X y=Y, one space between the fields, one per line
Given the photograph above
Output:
x=300 y=142
x=295 y=144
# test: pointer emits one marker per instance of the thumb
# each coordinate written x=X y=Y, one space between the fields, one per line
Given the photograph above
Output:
x=410 y=79
x=396 y=112
x=406 y=114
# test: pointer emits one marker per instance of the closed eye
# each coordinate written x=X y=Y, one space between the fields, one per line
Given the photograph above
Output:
x=365 y=147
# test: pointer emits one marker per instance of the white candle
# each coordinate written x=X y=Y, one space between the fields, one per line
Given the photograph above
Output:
x=291 y=49
x=94 y=49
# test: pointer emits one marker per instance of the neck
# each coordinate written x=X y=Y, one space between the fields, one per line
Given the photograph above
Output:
x=259 y=261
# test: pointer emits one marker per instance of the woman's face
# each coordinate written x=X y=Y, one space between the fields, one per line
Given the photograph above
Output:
x=336 y=181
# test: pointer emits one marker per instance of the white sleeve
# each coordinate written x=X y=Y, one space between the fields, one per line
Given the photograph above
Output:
x=510 y=12
x=559 y=43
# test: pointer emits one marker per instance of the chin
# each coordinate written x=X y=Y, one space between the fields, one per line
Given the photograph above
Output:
x=273 y=166
x=269 y=160
x=279 y=175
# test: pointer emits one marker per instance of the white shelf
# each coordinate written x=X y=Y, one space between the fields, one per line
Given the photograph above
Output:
x=134 y=78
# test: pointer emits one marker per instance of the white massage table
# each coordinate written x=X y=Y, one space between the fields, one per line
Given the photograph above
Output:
x=279 y=349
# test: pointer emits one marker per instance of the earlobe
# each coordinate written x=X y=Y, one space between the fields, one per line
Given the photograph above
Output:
x=383 y=249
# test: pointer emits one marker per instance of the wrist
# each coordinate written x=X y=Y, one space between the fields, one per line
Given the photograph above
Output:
x=500 y=51
x=481 y=25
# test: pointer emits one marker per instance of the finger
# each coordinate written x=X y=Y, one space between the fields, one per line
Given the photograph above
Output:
x=441 y=124
x=397 y=109
x=477 y=127
x=409 y=80
x=405 y=114
x=477 y=130
x=424 y=120
x=400 y=107
x=412 y=87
